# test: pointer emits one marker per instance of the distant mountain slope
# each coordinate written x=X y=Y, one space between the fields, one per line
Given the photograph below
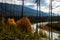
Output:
x=15 y=10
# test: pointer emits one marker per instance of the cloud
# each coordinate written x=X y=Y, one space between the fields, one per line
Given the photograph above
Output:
x=18 y=2
x=44 y=6
x=30 y=5
x=56 y=10
x=11 y=2
x=47 y=2
x=55 y=6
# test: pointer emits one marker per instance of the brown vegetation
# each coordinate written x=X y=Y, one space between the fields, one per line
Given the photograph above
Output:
x=11 y=21
x=3 y=20
x=24 y=24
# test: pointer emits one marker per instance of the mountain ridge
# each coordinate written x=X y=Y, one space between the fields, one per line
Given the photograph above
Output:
x=16 y=10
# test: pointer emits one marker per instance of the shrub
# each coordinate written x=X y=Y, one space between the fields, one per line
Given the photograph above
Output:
x=25 y=24
x=55 y=26
x=11 y=22
x=42 y=33
x=11 y=32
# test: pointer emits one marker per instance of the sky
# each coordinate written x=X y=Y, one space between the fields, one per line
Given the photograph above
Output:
x=44 y=4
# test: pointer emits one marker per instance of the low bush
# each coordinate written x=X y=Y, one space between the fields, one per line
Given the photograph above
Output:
x=24 y=24
x=55 y=26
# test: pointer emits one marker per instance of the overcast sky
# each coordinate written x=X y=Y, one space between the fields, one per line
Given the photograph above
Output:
x=44 y=4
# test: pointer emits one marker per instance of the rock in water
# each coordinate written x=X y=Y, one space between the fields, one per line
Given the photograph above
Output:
x=25 y=24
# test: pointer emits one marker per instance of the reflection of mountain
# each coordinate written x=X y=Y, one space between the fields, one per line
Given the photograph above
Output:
x=12 y=9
